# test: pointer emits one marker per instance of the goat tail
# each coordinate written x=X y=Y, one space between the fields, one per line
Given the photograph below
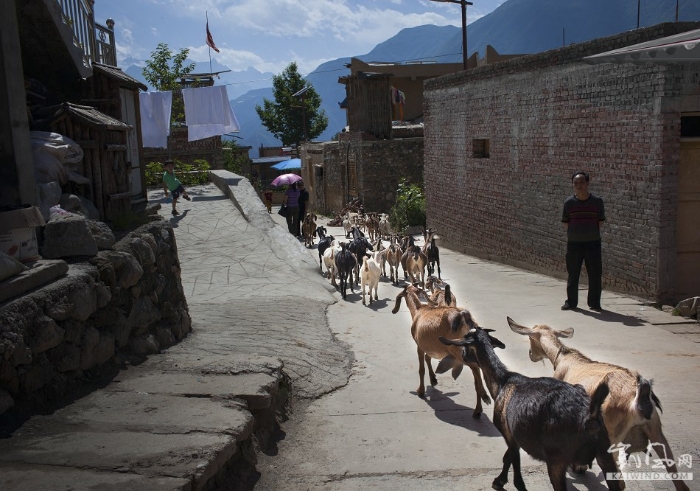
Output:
x=598 y=398
x=594 y=421
x=646 y=399
x=448 y=294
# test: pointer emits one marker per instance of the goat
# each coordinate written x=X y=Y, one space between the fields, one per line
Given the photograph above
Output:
x=432 y=252
x=551 y=420
x=630 y=413
x=359 y=247
x=372 y=225
x=369 y=275
x=329 y=261
x=379 y=255
x=347 y=225
x=308 y=229
x=345 y=263
x=429 y=323
x=393 y=258
x=441 y=293
x=415 y=264
x=324 y=243
x=384 y=226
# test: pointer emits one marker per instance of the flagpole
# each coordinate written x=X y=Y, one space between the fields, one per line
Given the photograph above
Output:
x=207 y=14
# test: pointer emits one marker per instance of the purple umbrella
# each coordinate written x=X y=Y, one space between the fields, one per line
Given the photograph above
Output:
x=286 y=179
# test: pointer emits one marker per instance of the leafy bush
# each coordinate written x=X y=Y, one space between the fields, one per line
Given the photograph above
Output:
x=409 y=209
x=189 y=174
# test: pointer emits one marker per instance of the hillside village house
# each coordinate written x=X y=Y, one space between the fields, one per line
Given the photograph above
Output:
x=502 y=141
x=384 y=137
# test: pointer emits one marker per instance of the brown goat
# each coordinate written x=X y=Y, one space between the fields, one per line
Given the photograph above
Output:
x=441 y=293
x=630 y=412
x=308 y=227
x=429 y=324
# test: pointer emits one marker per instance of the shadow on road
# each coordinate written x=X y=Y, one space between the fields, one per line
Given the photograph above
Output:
x=608 y=316
x=450 y=412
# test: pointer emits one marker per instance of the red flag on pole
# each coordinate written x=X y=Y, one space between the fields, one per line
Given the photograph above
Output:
x=210 y=40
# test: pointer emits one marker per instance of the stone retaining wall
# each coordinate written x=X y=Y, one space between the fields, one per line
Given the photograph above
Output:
x=123 y=302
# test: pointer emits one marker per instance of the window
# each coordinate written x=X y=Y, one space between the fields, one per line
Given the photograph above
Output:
x=481 y=148
x=690 y=126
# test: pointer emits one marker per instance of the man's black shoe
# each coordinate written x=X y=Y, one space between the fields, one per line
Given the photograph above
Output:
x=566 y=306
x=597 y=308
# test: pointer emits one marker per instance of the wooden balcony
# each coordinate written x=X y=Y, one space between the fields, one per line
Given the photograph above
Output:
x=46 y=25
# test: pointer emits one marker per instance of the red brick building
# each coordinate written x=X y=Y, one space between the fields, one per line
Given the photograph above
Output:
x=501 y=143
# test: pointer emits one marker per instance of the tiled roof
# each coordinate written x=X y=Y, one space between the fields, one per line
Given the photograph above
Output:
x=117 y=73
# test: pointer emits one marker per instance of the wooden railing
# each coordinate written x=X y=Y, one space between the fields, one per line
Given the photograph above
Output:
x=95 y=40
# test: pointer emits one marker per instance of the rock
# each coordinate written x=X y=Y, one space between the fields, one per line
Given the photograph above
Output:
x=143 y=250
x=103 y=235
x=143 y=313
x=104 y=349
x=688 y=307
x=45 y=335
x=67 y=236
x=91 y=338
x=84 y=302
x=21 y=355
x=6 y=401
x=144 y=345
x=104 y=295
x=71 y=203
x=129 y=273
x=65 y=357
x=165 y=337
x=90 y=210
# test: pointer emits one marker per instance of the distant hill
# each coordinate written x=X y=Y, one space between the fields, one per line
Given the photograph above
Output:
x=515 y=27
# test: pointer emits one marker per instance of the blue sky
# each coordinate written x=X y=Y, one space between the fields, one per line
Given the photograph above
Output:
x=269 y=34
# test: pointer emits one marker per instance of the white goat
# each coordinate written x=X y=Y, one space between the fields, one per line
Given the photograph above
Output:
x=630 y=412
x=329 y=261
x=369 y=275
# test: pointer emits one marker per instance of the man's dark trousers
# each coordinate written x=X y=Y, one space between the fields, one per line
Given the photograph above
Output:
x=578 y=253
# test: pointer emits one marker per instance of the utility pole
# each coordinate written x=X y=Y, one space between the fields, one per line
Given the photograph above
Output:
x=639 y=5
x=464 y=4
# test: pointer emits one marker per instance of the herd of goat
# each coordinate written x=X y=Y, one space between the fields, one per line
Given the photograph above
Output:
x=580 y=414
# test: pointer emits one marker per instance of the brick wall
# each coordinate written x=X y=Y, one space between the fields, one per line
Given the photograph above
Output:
x=546 y=116
x=379 y=164
x=209 y=149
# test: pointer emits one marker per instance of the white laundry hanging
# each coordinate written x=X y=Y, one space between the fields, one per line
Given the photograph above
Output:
x=208 y=112
x=155 y=109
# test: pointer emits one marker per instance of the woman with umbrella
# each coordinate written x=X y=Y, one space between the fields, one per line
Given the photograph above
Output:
x=291 y=201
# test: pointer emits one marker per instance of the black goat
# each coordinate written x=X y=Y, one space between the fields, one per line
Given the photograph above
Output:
x=359 y=246
x=345 y=263
x=408 y=246
x=551 y=420
x=431 y=251
x=323 y=244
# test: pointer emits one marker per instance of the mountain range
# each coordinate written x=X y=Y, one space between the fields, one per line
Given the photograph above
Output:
x=515 y=27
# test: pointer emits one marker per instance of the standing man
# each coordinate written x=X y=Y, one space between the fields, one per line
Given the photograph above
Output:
x=303 y=199
x=584 y=213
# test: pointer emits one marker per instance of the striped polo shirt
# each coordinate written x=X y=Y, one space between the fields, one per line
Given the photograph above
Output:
x=583 y=217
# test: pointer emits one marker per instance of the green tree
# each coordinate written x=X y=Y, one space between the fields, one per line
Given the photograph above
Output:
x=233 y=159
x=285 y=116
x=409 y=209
x=163 y=72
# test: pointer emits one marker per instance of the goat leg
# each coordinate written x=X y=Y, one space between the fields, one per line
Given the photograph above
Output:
x=421 y=373
x=481 y=394
x=433 y=378
x=660 y=444
x=502 y=478
x=557 y=476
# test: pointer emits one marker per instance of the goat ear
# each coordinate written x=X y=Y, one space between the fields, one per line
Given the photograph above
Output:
x=517 y=328
x=496 y=343
x=566 y=333
x=455 y=342
x=445 y=364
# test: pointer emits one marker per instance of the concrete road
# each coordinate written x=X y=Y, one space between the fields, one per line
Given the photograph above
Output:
x=376 y=433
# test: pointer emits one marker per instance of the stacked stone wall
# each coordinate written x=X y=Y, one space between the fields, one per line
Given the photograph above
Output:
x=543 y=120
x=123 y=302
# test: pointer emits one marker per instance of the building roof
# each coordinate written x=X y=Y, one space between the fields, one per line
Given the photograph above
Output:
x=124 y=79
x=270 y=160
x=85 y=114
x=678 y=48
